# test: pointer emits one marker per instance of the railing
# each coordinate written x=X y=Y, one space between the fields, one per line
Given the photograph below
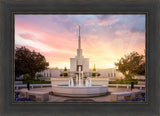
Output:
x=49 y=85
x=126 y=85
x=32 y=85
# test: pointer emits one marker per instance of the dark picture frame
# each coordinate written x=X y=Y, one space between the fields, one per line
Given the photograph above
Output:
x=7 y=10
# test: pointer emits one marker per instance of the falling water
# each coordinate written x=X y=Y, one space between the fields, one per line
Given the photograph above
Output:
x=90 y=82
x=76 y=79
x=79 y=80
x=86 y=83
x=72 y=83
x=69 y=83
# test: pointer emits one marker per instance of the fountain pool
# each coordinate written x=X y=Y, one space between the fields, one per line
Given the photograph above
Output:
x=82 y=91
x=81 y=88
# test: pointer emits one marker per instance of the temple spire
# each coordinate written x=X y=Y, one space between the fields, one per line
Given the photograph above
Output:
x=79 y=41
x=79 y=50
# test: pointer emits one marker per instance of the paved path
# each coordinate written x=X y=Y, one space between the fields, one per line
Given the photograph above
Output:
x=104 y=98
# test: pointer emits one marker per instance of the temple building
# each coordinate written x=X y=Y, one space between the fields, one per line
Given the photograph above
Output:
x=79 y=60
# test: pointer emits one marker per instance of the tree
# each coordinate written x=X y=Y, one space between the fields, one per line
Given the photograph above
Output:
x=93 y=74
x=30 y=62
x=131 y=65
x=65 y=74
x=94 y=69
x=26 y=76
x=65 y=69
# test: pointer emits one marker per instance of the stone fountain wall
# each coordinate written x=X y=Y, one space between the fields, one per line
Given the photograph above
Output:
x=59 y=81
x=100 y=81
x=64 y=81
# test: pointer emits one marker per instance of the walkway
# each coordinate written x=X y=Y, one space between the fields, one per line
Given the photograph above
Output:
x=104 y=98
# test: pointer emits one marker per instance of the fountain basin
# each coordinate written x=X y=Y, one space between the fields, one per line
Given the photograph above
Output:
x=80 y=91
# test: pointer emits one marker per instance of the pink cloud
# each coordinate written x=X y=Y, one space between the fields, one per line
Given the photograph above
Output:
x=46 y=43
x=59 y=45
x=27 y=36
x=107 y=22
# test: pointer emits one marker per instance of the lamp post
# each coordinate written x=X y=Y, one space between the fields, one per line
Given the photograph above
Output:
x=28 y=85
x=132 y=85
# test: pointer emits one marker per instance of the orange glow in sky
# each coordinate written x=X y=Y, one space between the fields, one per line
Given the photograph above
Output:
x=104 y=38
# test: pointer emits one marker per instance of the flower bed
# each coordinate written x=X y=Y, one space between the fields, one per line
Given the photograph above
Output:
x=21 y=99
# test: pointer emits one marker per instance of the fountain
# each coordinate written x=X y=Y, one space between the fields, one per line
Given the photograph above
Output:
x=71 y=82
x=79 y=88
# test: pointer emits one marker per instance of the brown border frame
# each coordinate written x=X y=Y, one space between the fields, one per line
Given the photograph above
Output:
x=79 y=6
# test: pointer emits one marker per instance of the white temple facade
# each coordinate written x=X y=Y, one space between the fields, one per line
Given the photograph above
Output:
x=79 y=60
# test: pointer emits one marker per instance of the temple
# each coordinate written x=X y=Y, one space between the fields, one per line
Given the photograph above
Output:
x=79 y=60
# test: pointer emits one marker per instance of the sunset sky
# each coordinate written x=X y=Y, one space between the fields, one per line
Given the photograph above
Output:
x=104 y=38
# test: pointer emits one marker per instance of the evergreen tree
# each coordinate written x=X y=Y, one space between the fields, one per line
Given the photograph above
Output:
x=94 y=69
x=65 y=74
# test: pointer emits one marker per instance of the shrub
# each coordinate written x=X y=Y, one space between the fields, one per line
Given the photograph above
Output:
x=65 y=74
x=93 y=74
x=26 y=76
x=39 y=75
x=124 y=81
x=61 y=74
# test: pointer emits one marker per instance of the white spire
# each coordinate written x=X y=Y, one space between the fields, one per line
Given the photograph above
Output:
x=79 y=41
x=79 y=50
